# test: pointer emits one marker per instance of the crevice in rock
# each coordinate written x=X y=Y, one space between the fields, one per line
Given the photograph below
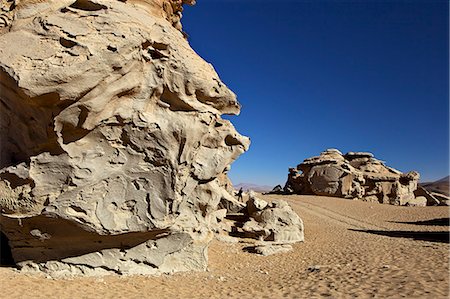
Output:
x=202 y=181
x=15 y=181
x=78 y=209
x=81 y=265
x=39 y=136
x=147 y=263
x=6 y=258
x=71 y=133
x=67 y=43
x=146 y=44
x=126 y=141
x=181 y=148
x=176 y=104
x=82 y=241
x=155 y=54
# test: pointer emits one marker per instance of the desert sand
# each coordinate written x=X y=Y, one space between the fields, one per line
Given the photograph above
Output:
x=352 y=249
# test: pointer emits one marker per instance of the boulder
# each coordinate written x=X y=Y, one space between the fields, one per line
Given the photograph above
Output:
x=355 y=175
x=114 y=152
x=419 y=201
x=273 y=222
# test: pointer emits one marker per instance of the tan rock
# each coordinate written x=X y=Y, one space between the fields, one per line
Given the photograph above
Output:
x=113 y=144
x=273 y=222
x=353 y=175
x=419 y=201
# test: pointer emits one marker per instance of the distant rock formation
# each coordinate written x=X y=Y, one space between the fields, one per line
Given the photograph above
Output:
x=355 y=175
x=254 y=187
x=114 y=153
x=441 y=186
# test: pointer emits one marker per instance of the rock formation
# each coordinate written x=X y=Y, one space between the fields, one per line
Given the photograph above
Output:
x=113 y=147
x=355 y=175
x=270 y=227
x=275 y=221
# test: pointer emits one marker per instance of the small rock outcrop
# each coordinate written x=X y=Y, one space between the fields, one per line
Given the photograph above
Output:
x=355 y=175
x=273 y=226
x=114 y=152
x=275 y=222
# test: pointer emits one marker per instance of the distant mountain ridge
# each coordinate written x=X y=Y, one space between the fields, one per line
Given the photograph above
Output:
x=254 y=187
x=440 y=186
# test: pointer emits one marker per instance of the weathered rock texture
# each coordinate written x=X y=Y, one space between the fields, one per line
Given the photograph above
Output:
x=270 y=227
x=355 y=175
x=274 y=222
x=113 y=146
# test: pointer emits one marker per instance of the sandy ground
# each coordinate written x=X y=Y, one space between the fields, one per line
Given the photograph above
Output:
x=352 y=250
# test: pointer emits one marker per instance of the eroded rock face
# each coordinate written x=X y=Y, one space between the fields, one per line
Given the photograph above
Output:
x=355 y=175
x=274 y=222
x=113 y=146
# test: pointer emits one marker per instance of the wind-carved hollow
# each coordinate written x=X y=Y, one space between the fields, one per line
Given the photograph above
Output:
x=67 y=43
x=15 y=181
x=174 y=102
x=26 y=123
x=231 y=140
x=71 y=133
x=87 y=5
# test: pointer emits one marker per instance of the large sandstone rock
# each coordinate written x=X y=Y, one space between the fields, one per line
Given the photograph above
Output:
x=113 y=146
x=353 y=175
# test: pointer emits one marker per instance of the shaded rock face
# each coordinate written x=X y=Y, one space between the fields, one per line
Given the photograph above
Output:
x=113 y=148
x=354 y=175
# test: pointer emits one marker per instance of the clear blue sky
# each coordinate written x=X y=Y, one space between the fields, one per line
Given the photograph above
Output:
x=310 y=75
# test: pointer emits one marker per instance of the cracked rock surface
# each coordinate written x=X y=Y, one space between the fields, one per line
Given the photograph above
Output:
x=355 y=175
x=114 y=153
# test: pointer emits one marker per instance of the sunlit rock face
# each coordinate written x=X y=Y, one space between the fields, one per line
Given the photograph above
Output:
x=112 y=141
x=355 y=175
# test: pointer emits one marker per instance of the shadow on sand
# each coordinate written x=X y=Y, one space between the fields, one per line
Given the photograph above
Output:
x=441 y=237
x=434 y=222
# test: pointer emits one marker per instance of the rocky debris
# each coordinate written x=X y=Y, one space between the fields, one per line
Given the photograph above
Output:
x=356 y=175
x=266 y=250
x=275 y=221
x=270 y=227
x=113 y=148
